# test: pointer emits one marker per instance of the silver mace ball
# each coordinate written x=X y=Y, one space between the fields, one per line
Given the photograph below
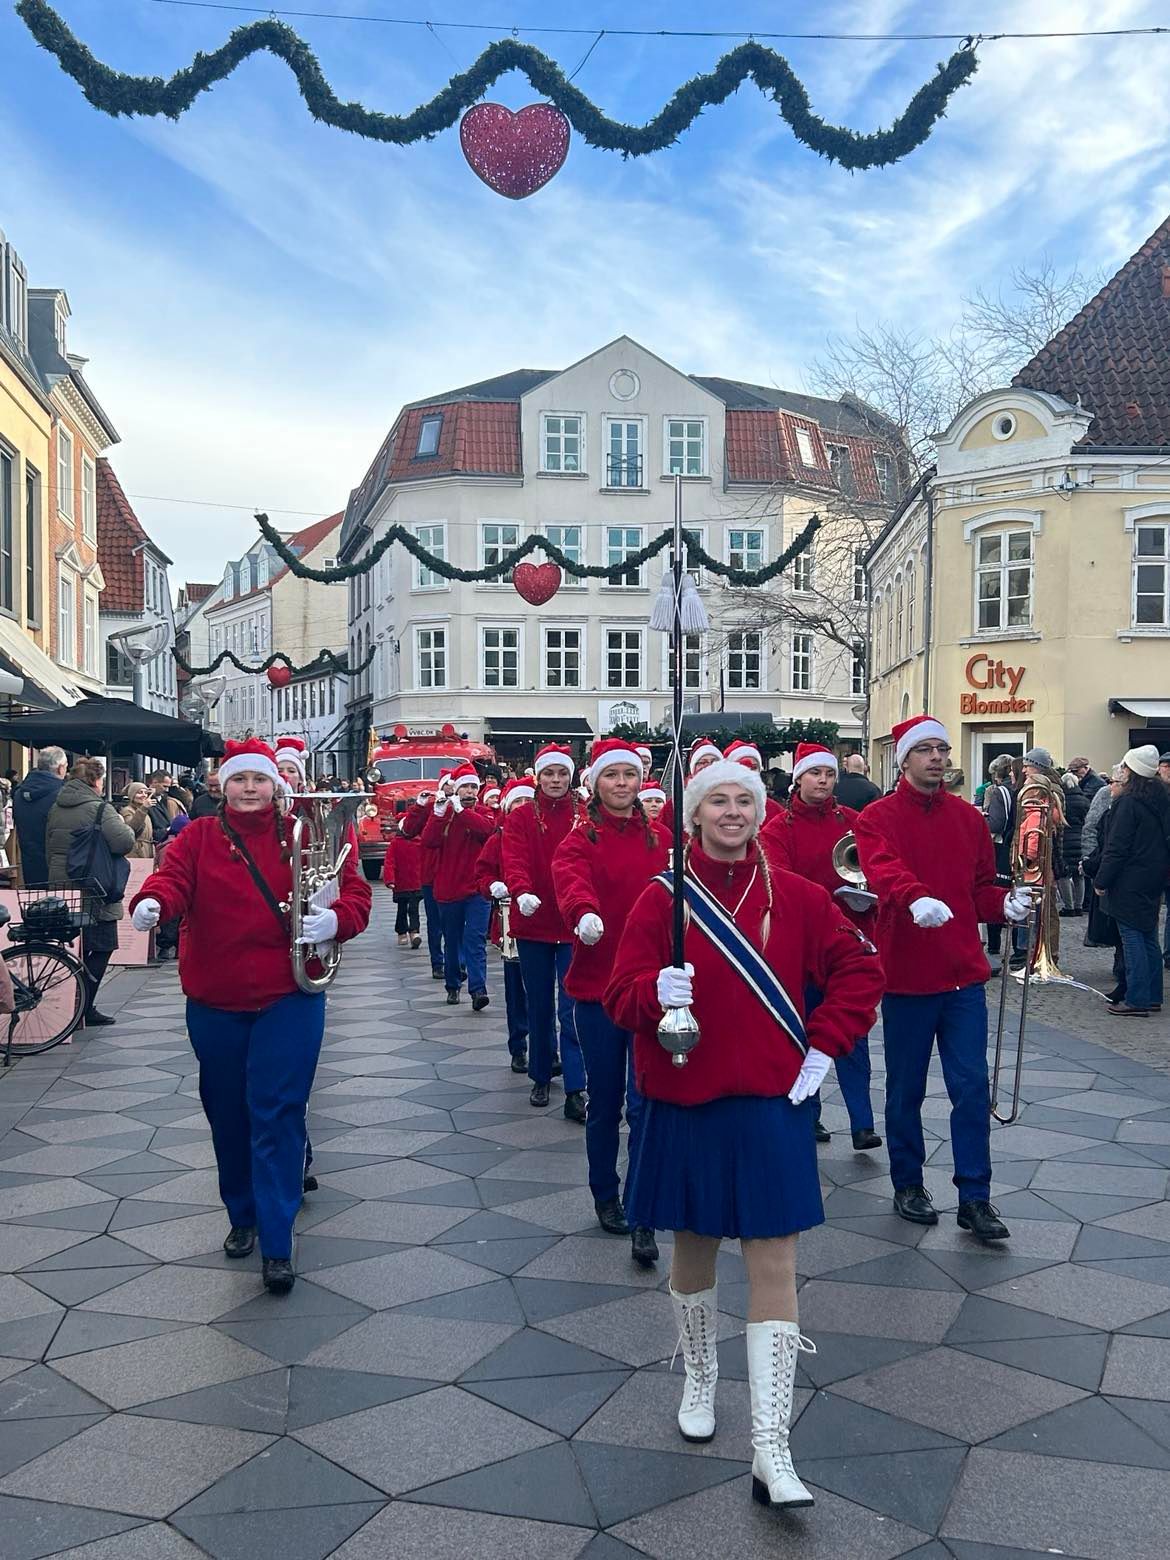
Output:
x=678 y=1033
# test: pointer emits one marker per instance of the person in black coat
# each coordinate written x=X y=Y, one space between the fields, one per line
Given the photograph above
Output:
x=32 y=799
x=1076 y=810
x=854 y=788
x=1132 y=876
x=1101 y=929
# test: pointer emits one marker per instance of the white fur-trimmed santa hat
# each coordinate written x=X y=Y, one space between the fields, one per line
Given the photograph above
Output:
x=465 y=775
x=726 y=772
x=292 y=750
x=813 y=755
x=552 y=754
x=651 y=793
x=746 y=753
x=919 y=728
x=254 y=755
x=702 y=747
x=606 y=752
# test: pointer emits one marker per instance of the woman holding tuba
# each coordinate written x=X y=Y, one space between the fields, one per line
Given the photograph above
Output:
x=256 y=1035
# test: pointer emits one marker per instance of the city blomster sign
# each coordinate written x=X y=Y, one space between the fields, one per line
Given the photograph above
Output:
x=983 y=673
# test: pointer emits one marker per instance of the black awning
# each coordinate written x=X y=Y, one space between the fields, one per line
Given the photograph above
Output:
x=116 y=727
x=522 y=726
x=32 y=696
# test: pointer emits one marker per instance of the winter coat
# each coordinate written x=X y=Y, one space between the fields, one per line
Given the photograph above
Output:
x=1076 y=810
x=457 y=838
x=856 y=791
x=1092 y=782
x=139 y=821
x=76 y=807
x=913 y=845
x=742 y=1050
x=31 y=801
x=1090 y=835
x=1135 y=862
x=233 y=953
x=1101 y=928
x=531 y=837
x=999 y=809
x=411 y=825
x=402 y=868
x=205 y=805
x=801 y=840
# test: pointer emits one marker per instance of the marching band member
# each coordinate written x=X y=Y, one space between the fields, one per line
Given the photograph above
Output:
x=802 y=841
x=646 y=758
x=543 y=941
x=489 y=879
x=491 y=797
x=457 y=829
x=599 y=870
x=411 y=825
x=402 y=873
x=748 y=754
x=727 y=1146
x=291 y=757
x=701 y=754
x=256 y=1035
x=653 y=800
x=929 y=858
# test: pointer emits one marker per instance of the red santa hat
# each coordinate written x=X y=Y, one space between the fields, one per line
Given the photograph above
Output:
x=552 y=754
x=292 y=750
x=652 y=793
x=465 y=775
x=608 y=751
x=919 y=728
x=726 y=772
x=644 y=754
x=491 y=795
x=254 y=755
x=746 y=753
x=813 y=755
x=702 y=747
x=515 y=791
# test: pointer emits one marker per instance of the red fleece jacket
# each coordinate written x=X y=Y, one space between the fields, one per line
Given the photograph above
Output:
x=742 y=1050
x=410 y=827
x=458 y=838
x=913 y=845
x=601 y=869
x=232 y=953
x=402 y=869
x=801 y=840
x=531 y=837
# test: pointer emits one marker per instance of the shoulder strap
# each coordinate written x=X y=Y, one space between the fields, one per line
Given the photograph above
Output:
x=257 y=876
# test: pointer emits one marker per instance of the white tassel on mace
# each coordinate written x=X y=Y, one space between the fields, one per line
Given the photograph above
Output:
x=692 y=615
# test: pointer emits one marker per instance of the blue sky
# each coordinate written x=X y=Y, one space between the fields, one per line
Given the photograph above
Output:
x=258 y=294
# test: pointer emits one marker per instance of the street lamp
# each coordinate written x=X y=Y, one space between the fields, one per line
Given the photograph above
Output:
x=141 y=643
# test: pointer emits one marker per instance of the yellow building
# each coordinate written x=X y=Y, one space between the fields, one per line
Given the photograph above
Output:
x=1021 y=592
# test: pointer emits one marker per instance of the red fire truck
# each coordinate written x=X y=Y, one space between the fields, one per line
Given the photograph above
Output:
x=402 y=765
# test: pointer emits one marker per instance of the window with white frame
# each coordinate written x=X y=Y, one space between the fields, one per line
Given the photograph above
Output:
x=66 y=610
x=1003 y=580
x=90 y=633
x=802 y=663
x=88 y=498
x=889 y=625
x=745 y=659
x=428 y=436
x=883 y=467
x=860 y=585
x=620 y=542
x=685 y=446
x=899 y=615
x=499 y=656
x=623 y=452
x=13 y=293
x=562 y=442
x=840 y=465
x=563 y=657
x=911 y=588
x=65 y=473
x=32 y=536
x=623 y=657
x=7 y=525
x=804 y=446
x=695 y=536
x=694 y=663
x=496 y=539
x=571 y=540
x=876 y=640
x=1151 y=574
x=857 y=671
x=745 y=548
x=229 y=582
x=803 y=567
x=434 y=539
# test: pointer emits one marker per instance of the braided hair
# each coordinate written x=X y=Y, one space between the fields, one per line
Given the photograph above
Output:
x=765 y=873
x=282 y=841
x=593 y=813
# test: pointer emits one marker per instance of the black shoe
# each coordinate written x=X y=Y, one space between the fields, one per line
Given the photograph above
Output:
x=1018 y=960
x=520 y=1062
x=479 y=1000
x=575 y=1106
x=240 y=1242
x=611 y=1216
x=452 y=998
x=643 y=1247
x=821 y=1132
x=1125 y=1009
x=865 y=1139
x=557 y=1069
x=982 y=1220
x=94 y=1020
x=310 y=1184
x=539 y=1095
x=278 y=1275
x=1064 y=914
x=914 y=1203
x=438 y=974
x=1116 y=995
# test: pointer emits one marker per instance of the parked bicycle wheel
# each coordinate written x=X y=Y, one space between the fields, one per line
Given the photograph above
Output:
x=50 y=989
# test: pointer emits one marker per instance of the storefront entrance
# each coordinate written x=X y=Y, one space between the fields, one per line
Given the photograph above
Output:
x=983 y=745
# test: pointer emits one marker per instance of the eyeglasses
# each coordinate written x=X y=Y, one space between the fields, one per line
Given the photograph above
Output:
x=933 y=749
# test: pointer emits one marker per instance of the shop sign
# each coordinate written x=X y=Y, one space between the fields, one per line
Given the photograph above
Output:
x=988 y=676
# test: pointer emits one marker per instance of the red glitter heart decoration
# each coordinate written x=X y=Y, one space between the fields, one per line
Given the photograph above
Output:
x=537 y=582
x=514 y=154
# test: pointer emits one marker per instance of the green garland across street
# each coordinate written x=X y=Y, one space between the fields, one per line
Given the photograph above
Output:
x=325 y=661
x=116 y=92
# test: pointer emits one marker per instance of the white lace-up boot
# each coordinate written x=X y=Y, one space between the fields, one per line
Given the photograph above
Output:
x=772 y=1349
x=695 y=1317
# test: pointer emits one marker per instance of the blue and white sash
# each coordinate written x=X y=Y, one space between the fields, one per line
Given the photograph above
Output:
x=716 y=924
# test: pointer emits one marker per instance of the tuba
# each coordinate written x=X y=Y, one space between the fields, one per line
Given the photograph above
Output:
x=321 y=822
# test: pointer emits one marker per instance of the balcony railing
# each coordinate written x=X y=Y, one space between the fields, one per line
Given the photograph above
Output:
x=623 y=471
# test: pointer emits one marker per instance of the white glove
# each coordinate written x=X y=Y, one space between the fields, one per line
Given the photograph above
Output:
x=456 y=804
x=674 y=986
x=811 y=1075
x=931 y=912
x=590 y=929
x=529 y=904
x=146 y=915
x=1017 y=905
x=499 y=890
x=319 y=926
x=440 y=807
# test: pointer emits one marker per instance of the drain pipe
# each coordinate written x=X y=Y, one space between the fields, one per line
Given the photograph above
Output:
x=928 y=593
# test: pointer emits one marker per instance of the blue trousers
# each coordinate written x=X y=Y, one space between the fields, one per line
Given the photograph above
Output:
x=957 y=1020
x=609 y=1066
x=1143 y=966
x=853 y=1075
x=465 y=924
x=434 y=928
x=516 y=1007
x=255 y=1074
x=545 y=965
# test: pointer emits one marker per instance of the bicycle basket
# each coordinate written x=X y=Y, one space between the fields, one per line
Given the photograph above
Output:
x=53 y=914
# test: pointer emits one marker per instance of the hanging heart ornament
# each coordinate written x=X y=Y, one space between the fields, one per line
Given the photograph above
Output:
x=514 y=154
x=537 y=582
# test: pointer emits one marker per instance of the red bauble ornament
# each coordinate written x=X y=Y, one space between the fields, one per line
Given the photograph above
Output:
x=537 y=582
x=515 y=154
x=279 y=675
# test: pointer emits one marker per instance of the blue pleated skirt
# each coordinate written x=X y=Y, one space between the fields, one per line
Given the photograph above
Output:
x=740 y=1168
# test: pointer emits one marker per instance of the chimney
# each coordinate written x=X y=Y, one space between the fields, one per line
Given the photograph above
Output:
x=1165 y=280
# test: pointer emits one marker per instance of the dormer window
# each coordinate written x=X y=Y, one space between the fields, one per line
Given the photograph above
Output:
x=262 y=570
x=804 y=445
x=884 y=471
x=428 y=436
x=59 y=319
x=229 y=582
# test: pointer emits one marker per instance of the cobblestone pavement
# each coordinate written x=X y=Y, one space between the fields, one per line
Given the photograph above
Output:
x=469 y=1367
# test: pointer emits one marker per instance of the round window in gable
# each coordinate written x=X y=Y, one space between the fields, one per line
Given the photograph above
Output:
x=624 y=384
x=1003 y=426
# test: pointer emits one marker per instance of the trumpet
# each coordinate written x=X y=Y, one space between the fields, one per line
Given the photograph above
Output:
x=508 y=946
x=847 y=865
x=319 y=851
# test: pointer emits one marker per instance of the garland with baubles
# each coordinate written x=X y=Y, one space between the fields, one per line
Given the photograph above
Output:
x=696 y=553
x=324 y=662
x=116 y=92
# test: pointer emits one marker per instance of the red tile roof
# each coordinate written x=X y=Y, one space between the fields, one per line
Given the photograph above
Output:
x=197 y=592
x=120 y=541
x=1114 y=356
x=480 y=437
x=304 y=541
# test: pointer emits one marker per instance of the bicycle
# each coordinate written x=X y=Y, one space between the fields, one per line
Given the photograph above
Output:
x=49 y=982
